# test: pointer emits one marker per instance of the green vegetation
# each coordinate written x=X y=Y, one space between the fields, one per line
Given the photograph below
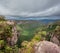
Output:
x=29 y=33
x=2 y=18
x=5 y=33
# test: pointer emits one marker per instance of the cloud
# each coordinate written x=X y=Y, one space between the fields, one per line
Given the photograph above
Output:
x=4 y=11
x=29 y=8
x=55 y=10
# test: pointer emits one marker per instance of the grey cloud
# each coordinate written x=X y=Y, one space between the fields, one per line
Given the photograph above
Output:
x=30 y=7
x=4 y=11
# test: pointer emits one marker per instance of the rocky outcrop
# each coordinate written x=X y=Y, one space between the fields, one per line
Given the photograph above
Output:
x=55 y=40
x=12 y=41
x=14 y=37
x=55 y=37
x=46 y=47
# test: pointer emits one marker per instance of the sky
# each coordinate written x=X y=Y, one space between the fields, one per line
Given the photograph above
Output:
x=30 y=8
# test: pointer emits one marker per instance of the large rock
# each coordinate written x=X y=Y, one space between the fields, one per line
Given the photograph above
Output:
x=55 y=37
x=46 y=47
x=55 y=40
x=12 y=41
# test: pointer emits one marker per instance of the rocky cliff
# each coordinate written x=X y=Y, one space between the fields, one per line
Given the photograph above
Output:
x=8 y=32
x=12 y=41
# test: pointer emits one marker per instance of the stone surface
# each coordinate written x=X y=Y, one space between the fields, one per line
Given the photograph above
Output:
x=55 y=40
x=12 y=41
x=46 y=47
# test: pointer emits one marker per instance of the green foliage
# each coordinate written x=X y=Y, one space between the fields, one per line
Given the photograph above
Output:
x=28 y=46
x=13 y=49
x=8 y=48
x=8 y=30
x=1 y=51
x=5 y=32
x=57 y=28
x=1 y=41
x=2 y=18
x=2 y=44
x=30 y=34
x=57 y=32
x=40 y=34
x=37 y=38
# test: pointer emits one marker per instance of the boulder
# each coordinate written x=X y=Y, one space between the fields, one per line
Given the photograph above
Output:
x=55 y=40
x=46 y=47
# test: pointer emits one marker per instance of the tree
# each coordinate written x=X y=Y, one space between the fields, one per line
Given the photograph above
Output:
x=2 y=18
x=5 y=36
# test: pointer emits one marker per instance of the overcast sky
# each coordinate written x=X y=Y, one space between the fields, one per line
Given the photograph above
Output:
x=29 y=8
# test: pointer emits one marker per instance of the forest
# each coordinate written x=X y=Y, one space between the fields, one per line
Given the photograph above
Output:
x=22 y=36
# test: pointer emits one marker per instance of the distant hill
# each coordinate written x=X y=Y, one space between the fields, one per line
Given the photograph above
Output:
x=41 y=19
